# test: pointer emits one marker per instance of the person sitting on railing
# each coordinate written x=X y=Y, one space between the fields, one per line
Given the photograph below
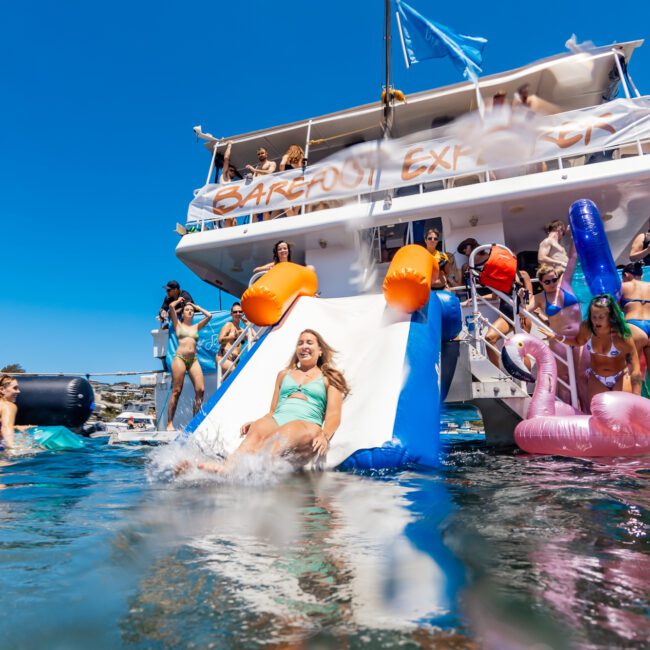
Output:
x=635 y=302
x=185 y=359
x=174 y=292
x=559 y=308
x=640 y=250
x=305 y=409
x=550 y=249
x=227 y=336
x=614 y=363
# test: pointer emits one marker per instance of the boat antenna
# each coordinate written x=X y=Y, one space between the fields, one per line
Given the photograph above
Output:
x=387 y=95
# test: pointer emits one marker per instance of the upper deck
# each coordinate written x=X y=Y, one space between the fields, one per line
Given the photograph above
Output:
x=466 y=199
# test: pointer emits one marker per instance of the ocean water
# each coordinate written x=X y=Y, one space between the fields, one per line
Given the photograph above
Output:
x=493 y=550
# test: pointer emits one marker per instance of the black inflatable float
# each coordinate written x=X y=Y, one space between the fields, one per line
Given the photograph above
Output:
x=48 y=401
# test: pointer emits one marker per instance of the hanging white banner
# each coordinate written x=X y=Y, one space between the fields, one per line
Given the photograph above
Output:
x=502 y=139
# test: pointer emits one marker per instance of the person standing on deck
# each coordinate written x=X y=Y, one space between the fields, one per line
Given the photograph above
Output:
x=264 y=168
x=551 y=250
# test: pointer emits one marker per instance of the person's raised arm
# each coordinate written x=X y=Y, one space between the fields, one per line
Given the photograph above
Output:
x=226 y=156
x=8 y=412
x=638 y=252
x=207 y=316
x=567 y=276
x=264 y=267
x=331 y=422
x=172 y=310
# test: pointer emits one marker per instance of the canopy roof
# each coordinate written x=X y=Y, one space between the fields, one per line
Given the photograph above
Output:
x=560 y=83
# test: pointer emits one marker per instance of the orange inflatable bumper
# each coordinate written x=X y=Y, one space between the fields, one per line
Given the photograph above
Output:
x=407 y=285
x=268 y=298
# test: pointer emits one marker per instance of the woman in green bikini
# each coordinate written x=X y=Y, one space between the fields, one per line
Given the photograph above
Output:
x=185 y=360
x=305 y=410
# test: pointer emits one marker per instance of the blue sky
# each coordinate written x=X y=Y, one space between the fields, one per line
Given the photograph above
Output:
x=98 y=156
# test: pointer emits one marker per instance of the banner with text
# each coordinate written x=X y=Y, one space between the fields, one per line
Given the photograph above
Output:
x=503 y=139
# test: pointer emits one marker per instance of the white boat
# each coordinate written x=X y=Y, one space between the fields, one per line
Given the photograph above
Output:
x=593 y=147
x=131 y=421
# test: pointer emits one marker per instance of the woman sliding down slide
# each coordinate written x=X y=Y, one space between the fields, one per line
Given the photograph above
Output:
x=305 y=410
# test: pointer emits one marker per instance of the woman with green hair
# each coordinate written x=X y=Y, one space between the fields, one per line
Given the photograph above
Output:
x=614 y=360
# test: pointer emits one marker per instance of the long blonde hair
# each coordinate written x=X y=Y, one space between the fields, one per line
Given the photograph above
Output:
x=334 y=376
x=295 y=155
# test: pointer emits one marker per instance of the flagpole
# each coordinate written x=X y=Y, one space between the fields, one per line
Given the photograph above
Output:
x=388 y=97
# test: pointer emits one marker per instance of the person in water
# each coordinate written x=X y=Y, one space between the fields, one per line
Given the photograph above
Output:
x=305 y=410
x=635 y=302
x=9 y=392
x=228 y=335
x=614 y=363
x=559 y=308
x=185 y=360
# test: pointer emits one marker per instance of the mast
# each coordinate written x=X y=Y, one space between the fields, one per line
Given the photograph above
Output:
x=388 y=97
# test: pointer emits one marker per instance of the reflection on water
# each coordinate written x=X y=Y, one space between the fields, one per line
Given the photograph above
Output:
x=501 y=551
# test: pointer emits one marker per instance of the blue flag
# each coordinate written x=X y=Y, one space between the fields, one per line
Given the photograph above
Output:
x=424 y=39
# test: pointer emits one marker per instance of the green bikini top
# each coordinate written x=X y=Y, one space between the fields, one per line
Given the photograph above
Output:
x=184 y=332
x=314 y=391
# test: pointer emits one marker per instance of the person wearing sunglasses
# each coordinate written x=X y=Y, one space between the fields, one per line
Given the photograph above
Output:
x=558 y=307
x=431 y=240
x=614 y=362
x=227 y=336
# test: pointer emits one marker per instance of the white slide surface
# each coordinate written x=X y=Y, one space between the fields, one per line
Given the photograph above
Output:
x=370 y=340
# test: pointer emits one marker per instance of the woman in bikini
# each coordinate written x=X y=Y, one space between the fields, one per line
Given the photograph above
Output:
x=229 y=333
x=557 y=306
x=635 y=302
x=614 y=360
x=185 y=360
x=305 y=410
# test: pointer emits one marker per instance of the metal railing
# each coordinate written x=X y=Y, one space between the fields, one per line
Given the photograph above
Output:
x=482 y=325
x=249 y=334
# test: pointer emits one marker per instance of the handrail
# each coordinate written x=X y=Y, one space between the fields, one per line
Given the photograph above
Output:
x=571 y=385
x=585 y=150
x=251 y=332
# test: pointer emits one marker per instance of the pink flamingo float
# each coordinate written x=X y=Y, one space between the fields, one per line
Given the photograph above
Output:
x=619 y=424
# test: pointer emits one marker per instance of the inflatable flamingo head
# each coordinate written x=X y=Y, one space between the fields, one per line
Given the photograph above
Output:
x=514 y=352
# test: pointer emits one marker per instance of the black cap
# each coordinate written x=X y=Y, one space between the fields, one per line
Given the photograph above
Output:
x=172 y=284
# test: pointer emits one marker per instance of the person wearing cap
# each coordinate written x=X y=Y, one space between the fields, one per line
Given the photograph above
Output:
x=635 y=303
x=174 y=292
x=465 y=248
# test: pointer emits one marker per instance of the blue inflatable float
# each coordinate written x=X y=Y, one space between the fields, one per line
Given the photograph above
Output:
x=593 y=249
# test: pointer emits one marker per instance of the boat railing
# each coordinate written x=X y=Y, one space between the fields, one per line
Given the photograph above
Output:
x=594 y=154
x=246 y=339
x=482 y=325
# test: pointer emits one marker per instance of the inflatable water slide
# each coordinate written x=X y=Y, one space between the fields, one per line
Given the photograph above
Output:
x=387 y=345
